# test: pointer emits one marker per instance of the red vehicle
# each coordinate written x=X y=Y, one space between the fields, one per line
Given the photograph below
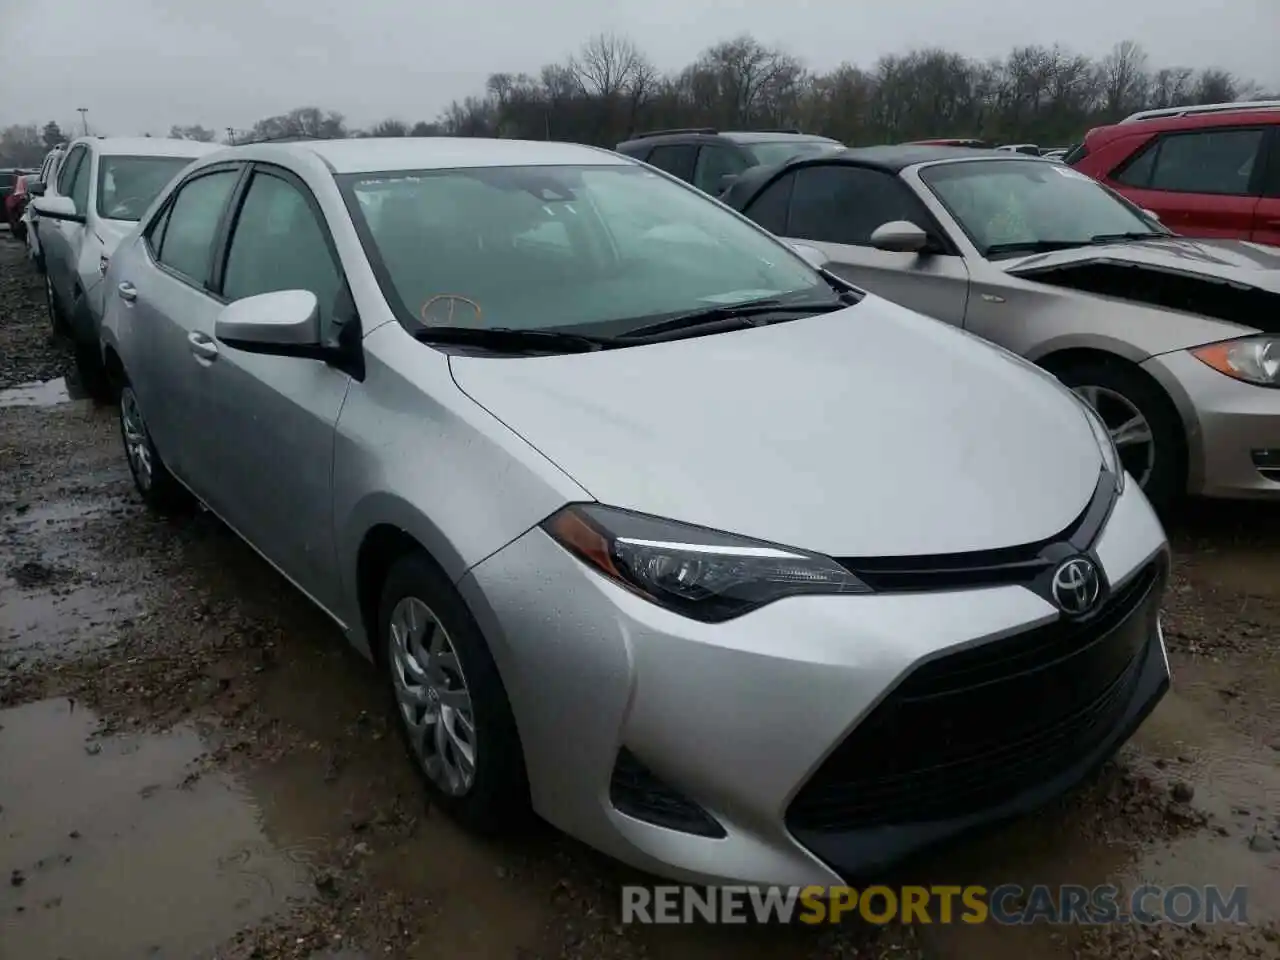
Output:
x=1205 y=171
x=15 y=201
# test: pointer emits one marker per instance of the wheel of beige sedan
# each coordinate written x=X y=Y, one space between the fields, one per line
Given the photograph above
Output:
x=451 y=706
x=1143 y=422
x=155 y=483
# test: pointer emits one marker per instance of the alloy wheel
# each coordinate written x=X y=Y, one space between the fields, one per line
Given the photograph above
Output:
x=1129 y=429
x=136 y=446
x=432 y=695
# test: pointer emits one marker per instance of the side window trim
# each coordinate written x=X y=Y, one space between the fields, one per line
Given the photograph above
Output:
x=192 y=282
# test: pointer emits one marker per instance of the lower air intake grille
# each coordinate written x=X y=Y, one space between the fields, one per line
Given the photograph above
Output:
x=636 y=791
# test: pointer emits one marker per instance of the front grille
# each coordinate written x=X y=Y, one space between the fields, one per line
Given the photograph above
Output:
x=974 y=728
x=1030 y=565
x=638 y=792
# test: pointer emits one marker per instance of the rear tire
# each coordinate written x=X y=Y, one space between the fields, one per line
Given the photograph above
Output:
x=159 y=489
x=92 y=372
x=452 y=659
x=1110 y=386
x=58 y=326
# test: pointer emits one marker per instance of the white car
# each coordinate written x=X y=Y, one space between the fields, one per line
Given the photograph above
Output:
x=103 y=186
x=48 y=174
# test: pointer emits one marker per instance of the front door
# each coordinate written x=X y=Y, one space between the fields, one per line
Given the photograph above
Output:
x=271 y=420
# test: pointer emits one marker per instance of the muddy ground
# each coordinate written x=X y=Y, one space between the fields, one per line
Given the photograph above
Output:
x=193 y=764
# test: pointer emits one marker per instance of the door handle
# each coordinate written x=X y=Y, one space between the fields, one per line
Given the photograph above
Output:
x=128 y=292
x=202 y=345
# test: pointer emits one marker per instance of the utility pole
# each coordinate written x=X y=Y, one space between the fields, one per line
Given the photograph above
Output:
x=84 y=119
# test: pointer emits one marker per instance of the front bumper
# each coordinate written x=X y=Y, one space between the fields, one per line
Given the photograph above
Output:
x=744 y=720
x=1227 y=421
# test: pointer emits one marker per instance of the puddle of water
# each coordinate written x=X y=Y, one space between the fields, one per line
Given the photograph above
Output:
x=118 y=858
x=42 y=393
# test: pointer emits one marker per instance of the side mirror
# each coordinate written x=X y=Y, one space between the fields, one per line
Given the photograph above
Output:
x=899 y=236
x=285 y=323
x=36 y=188
x=812 y=255
x=58 y=208
x=1152 y=214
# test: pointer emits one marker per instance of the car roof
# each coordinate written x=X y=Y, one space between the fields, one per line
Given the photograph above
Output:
x=894 y=158
x=767 y=136
x=1256 y=116
x=383 y=154
x=148 y=146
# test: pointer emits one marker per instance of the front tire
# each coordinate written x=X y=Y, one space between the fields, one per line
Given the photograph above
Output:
x=451 y=707
x=1145 y=425
x=159 y=489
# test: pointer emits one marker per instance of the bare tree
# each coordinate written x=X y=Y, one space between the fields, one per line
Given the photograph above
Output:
x=193 y=132
x=389 y=128
x=1124 y=79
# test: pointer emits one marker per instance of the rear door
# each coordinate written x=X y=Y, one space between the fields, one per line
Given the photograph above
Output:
x=1200 y=183
x=171 y=299
x=1266 y=218
x=836 y=208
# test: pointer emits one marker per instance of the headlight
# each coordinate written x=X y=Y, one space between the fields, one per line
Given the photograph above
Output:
x=1254 y=360
x=1110 y=455
x=700 y=573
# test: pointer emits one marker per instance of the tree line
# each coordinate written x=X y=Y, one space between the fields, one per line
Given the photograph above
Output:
x=609 y=89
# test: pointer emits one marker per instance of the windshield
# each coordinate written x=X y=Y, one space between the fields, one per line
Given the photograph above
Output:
x=127 y=185
x=780 y=151
x=1017 y=202
x=527 y=248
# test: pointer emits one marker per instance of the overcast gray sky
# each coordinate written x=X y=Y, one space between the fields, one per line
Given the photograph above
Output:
x=142 y=65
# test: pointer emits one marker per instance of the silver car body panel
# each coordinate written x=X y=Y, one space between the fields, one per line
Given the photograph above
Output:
x=1037 y=320
x=867 y=430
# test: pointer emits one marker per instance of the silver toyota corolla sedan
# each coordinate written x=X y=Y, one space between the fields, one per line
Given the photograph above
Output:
x=725 y=567
x=1176 y=342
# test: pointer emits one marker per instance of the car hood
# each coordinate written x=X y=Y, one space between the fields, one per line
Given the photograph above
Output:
x=1232 y=260
x=872 y=431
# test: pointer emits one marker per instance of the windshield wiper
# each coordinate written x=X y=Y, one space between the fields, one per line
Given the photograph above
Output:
x=1131 y=235
x=731 y=316
x=1033 y=246
x=513 y=340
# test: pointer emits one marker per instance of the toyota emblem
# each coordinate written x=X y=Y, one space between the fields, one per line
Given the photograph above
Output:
x=1077 y=586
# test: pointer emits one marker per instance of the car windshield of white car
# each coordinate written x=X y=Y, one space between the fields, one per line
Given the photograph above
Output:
x=1011 y=207
x=590 y=249
x=127 y=185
